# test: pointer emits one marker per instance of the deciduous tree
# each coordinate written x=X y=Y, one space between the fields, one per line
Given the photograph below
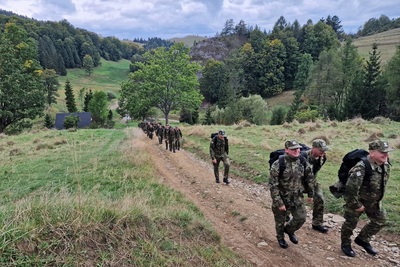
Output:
x=167 y=79
x=22 y=94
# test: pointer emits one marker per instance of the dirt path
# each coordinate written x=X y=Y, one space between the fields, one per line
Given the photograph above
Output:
x=241 y=214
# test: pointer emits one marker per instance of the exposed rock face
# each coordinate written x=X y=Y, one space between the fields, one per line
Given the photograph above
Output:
x=217 y=48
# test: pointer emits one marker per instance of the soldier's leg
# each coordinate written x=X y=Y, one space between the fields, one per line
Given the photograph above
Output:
x=351 y=219
x=166 y=143
x=216 y=169
x=299 y=215
x=377 y=220
x=318 y=206
x=227 y=164
x=173 y=145
x=279 y=217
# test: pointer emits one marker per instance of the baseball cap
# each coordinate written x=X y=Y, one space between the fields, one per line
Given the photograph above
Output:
x=320 y=144
x=379 y=145
x=292 y=144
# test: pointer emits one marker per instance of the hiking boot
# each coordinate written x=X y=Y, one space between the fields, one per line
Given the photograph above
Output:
x=367 y=246
x=226 y=181
x=217 y=181
x=292 y=237
x=320 y=228
x=348 y=251
x=282 y=243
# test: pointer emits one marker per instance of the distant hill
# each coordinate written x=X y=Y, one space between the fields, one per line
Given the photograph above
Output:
x=188 y=40
x=387 y=42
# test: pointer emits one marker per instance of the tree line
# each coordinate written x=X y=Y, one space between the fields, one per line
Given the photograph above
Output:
x=62 y=46
x=318 y=61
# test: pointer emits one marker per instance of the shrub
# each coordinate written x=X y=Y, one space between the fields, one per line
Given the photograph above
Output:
x=306 y=115
x=278 y=116
x=71 y=122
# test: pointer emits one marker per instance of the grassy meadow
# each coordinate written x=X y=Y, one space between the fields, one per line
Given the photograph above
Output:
x=107 y=77
x=387 y=42
x=91 y=198
x=250 y=147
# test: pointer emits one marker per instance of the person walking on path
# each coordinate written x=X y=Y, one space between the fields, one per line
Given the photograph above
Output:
x=219 y=150
x=287 y=190
x=316 y=157
x=366 y=197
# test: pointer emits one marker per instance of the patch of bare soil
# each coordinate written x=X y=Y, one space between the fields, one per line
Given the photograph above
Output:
x=241 y=214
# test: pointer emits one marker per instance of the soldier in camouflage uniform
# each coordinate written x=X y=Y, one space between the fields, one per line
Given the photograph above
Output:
x=316 y=157
x=366 y=197
x=219 y=150
x=165 y=135
x=287 y=192
x=171 y=139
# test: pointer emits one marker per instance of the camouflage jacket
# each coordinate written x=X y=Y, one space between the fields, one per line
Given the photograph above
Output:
x=314 y=162
x=219 y=147
x=358 y=192
x=288 y=189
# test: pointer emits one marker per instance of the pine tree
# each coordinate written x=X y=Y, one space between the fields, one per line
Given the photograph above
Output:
x=373 y=96
x=208 y=120
x=70 y=98
x=88 y=97
x=48 y=122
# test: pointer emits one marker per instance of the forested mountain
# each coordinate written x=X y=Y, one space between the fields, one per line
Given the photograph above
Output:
x=62 y=46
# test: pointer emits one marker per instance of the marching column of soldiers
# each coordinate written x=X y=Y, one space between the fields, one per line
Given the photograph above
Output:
x=172 y=136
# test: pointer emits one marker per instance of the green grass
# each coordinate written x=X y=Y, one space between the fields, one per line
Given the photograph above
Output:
x=91 y=198
x=250 y=148
x=107 y=77
x=387 y=42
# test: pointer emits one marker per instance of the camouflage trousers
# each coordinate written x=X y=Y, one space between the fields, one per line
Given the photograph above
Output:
x=377 y=220
x=299 y=215
x=171 y=143
x=318 y=205
x=227 y=164
x=160 y=138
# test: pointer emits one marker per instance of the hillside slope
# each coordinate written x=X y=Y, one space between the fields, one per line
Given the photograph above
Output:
x=241 y=215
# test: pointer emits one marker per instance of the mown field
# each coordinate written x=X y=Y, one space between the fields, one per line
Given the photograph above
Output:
x=387 y=42
x=107 y=77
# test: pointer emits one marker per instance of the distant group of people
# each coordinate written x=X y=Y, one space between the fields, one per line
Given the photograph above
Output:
x=172 y=136
x=294 y=174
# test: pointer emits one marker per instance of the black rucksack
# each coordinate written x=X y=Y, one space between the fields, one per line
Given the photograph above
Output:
x=214 y=139
x=348 y=162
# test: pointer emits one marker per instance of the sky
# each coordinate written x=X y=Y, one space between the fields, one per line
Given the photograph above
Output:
x=129 y=19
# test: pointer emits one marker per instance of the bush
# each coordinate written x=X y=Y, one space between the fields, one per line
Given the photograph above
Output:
x=306 y=115
x=111 y=96
x=71 y=122
x=278 y=116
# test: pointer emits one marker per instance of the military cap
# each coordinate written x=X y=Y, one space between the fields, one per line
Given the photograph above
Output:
x=292 y=144
x=320 y=144
x=221 y=132
x=379 y=145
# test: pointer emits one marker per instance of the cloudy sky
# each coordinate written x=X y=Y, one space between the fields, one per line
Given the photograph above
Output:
x=129 y=19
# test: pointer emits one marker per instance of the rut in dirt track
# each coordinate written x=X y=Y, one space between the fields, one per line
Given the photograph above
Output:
x=241 y=214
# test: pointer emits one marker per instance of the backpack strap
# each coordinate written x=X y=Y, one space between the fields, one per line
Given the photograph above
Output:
x=368 y=173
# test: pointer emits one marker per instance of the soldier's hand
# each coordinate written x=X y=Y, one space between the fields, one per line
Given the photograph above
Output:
x=214 y=161
x=282 y=208
x=310 y=200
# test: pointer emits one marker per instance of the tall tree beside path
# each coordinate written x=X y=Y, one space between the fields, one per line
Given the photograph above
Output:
x=22 y=94
x=166 y=79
